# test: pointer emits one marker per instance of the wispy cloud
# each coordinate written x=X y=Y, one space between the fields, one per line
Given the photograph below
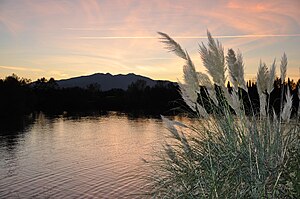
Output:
x=72 y=37
x=191 y=37
x=17 y=68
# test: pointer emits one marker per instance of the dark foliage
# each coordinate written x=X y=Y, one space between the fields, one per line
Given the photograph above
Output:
x=18 y=96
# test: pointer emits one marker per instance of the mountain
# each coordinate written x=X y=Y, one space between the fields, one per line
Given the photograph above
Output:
x=106 y=81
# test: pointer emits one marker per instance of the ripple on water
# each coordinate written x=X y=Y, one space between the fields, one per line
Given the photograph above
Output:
x=84 y=158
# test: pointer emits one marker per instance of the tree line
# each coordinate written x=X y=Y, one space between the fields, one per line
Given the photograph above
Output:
x=20 y=96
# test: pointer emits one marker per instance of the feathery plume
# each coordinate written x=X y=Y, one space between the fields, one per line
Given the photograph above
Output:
x=205 y=81
x=235 y=102
x=190 y=75
x=272 y=75
x=236 y=69
x=262 y=105
x=241 y=78
x=191 y=87
x=232 y=66
x=213 y=60
x=287 y=108
x=232 y=99
x=262 y=78
x=262 y=86
x=283 y=68
x=189 y=96
x=172 y=45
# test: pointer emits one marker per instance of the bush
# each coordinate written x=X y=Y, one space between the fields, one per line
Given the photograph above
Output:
x=224 y=152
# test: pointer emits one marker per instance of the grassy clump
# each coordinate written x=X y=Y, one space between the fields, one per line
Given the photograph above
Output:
x=228 y=153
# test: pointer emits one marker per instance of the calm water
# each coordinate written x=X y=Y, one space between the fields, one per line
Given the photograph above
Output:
x=86 y=157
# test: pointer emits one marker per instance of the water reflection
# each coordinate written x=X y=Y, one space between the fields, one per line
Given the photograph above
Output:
x=14 y=125
x=78 y=156
x=13 y=129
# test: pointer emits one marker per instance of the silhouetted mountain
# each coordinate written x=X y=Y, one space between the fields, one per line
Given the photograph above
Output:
x=105 y=81
x=130 y=93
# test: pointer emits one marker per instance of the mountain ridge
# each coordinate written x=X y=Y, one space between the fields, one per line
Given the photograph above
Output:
x=106 y=81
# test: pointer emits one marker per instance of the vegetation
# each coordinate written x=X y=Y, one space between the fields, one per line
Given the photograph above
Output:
x=231 y=148
x=20 y=96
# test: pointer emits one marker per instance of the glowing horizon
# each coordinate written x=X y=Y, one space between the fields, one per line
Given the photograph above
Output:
x=63 y=39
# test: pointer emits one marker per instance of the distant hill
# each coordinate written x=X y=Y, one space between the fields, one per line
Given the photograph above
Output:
x=106 y=81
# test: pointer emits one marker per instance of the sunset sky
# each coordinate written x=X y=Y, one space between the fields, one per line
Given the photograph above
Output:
x=67 y=38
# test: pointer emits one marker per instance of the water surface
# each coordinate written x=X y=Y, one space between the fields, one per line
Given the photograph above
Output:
x=77 y=157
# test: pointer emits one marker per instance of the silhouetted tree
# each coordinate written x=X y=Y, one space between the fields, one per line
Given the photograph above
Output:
x=20 y=96
x=15 y=96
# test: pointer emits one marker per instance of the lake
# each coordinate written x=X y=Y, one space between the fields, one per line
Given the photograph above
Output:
x=78 y=157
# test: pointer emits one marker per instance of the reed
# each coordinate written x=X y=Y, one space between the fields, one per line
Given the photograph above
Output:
x=227 y=153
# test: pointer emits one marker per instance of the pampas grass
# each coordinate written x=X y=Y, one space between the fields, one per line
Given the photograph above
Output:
x=172 y=46
x=236 y=69
x=227 y=154
x=283 y=68
x=287 y=108
x=213 y=60
x=271 y=78
x=262 y=86
x=205 y=81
